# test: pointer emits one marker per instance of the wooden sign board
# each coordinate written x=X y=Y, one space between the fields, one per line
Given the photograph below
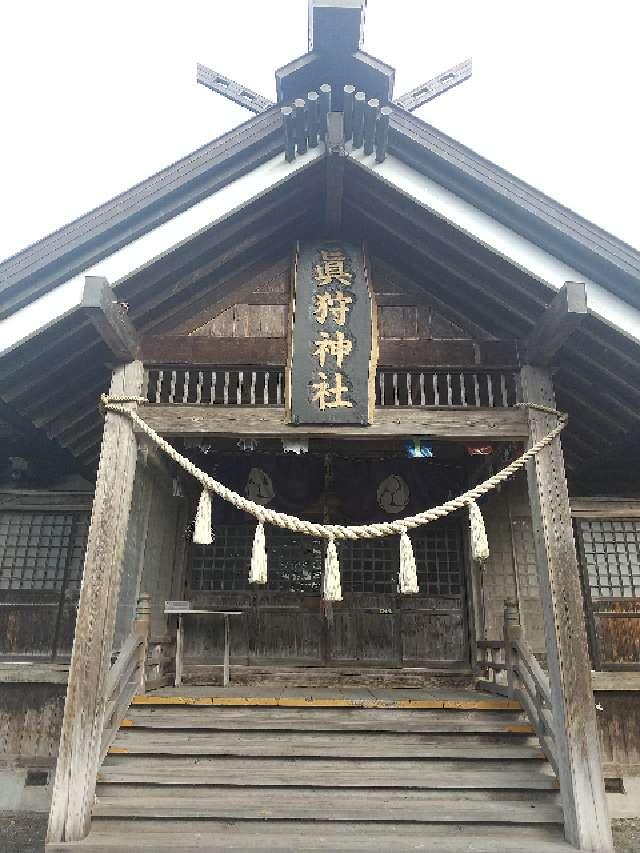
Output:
x=333 y=339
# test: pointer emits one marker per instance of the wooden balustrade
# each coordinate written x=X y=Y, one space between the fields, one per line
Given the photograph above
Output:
x=510 y=668
x=437 y=387
x=127 y=674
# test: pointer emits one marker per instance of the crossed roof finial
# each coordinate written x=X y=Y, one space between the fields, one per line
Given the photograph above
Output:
x=335 y=56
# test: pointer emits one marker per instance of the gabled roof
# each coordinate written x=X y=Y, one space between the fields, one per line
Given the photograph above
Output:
x=490 y=248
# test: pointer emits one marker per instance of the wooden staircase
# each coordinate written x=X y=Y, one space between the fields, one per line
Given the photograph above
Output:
x=325 y=774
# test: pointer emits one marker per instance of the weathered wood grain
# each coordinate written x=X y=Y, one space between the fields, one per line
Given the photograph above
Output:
x=111 y=835
x=479 y=747
x=425 y=774
x=585 y=807
x=453 y=424
x=319 y=804
x=84 y=708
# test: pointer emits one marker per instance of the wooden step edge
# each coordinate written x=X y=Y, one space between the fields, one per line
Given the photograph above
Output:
x=480 y=704
x=533 y=754
x=219 y=726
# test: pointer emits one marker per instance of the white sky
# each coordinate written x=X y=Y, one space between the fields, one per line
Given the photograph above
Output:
x=97 y=96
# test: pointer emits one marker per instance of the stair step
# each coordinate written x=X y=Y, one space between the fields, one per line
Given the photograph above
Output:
x=337 y=773
x=254 y=791
x=327 y=719
x=396 y=699
x=369 y=805
x=117 y=836
x=351 y=745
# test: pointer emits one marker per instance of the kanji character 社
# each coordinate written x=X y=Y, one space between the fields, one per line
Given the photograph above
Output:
x=332 y=266
x=323 y=390
x=337 y=306
x=339 y=347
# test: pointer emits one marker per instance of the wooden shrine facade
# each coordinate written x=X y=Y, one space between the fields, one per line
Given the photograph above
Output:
x=494 y=305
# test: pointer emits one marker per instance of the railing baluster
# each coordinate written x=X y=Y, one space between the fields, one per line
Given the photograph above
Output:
x=449 y=390
x=394 y=379
x=381 y=385
x=214 y=378
x=265 y=392
x=463 y=391
x=503 y=390
x=185 y=387
x=253 y=387
x=476 y=389
x=423 y=396
x=225 y=392
x=279 y=389
x=199 y=386
x=436 y=389
x=172 y=391
x=489 y=390
x=409 y=398
x=159 y=385
x=239 y=388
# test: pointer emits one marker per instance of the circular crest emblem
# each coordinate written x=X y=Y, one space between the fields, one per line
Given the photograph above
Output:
x=259 y=488
x=393 y=494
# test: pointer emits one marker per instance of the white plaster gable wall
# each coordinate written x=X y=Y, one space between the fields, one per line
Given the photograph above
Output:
x=220 y=205
x=486 y=230
x=161 y=240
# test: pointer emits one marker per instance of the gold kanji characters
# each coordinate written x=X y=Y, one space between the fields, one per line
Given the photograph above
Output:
x=339 y=347
x=323 y=390
x=336 y=305
x=332 y=267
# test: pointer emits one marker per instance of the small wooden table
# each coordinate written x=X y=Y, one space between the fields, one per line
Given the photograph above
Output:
x=180 y=613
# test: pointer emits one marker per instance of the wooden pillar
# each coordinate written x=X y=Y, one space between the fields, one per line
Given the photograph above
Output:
x=79 y=753
x=581 y=781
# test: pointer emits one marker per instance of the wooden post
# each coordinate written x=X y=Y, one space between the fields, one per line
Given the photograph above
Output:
x=81 y=735
x=581 y=781
x=512 y=631
x=141 y=627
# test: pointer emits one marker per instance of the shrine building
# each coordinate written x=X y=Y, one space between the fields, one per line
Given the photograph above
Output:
x=319 y=495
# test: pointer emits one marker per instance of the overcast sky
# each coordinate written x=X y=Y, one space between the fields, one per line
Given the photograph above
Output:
x=98 y=95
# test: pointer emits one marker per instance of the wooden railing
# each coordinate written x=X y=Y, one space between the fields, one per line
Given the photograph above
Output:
x=439 y=387
x=127 y=675
x=510 y=668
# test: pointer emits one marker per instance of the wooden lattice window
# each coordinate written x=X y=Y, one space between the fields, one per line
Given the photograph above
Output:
x=42 y=550
x=610 y=551
x=296 y=561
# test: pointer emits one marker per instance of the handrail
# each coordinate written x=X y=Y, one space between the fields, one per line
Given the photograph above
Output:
x=510 y=669
x=126 y=676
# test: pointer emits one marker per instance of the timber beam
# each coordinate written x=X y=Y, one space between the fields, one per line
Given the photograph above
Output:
x=564 y=315
x=109 y=318
x=335 y=172
x=574 y=719
x=451 y=424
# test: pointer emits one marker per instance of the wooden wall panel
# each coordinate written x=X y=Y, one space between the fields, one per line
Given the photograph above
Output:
x=30 y=721
x=618 y=721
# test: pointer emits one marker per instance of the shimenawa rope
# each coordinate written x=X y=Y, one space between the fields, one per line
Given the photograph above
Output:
x=331 y=581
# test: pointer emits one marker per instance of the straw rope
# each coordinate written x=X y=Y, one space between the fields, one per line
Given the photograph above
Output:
x=338 y=531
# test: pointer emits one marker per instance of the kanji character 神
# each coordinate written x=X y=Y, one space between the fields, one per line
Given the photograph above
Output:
x=323 y=390
x=337 y=306
x=339 y=347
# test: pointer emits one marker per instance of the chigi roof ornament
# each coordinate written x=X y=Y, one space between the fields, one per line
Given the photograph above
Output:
x=335 y=58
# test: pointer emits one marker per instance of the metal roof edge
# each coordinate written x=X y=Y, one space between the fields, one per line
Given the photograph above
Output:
x=514 y=203
x=78 y=245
